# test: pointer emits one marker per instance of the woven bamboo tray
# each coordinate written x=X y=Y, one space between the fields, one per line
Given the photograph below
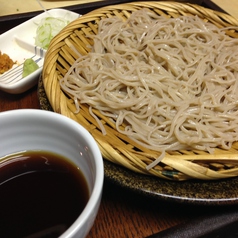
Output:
x=115 y=147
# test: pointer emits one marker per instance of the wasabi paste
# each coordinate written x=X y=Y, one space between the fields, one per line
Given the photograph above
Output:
x=29 y=67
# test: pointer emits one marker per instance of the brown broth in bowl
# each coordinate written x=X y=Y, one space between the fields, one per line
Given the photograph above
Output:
x=41 y=194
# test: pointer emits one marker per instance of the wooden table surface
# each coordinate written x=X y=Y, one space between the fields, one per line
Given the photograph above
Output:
x=230 y=7
x=124 y=213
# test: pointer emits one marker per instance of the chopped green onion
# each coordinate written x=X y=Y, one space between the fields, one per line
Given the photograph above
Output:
x=48 y=28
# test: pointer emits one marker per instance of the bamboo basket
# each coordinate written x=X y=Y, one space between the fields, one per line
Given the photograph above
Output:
x=115 y=147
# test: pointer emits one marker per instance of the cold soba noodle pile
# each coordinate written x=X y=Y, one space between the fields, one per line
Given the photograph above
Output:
x=173 y=82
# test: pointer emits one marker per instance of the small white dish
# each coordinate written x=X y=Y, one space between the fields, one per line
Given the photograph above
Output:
x=19 y=44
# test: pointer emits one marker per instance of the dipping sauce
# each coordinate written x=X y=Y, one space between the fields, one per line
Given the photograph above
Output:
x=41 y=194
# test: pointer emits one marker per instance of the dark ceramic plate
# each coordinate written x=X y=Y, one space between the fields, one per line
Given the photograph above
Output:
x=220 y=192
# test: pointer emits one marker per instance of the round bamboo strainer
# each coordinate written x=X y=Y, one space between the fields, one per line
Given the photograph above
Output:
x=115 y=147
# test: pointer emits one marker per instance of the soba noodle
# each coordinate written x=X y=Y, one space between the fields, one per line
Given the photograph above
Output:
x=172 y=82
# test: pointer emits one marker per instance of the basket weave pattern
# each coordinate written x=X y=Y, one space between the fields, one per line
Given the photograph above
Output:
x=115 y=147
